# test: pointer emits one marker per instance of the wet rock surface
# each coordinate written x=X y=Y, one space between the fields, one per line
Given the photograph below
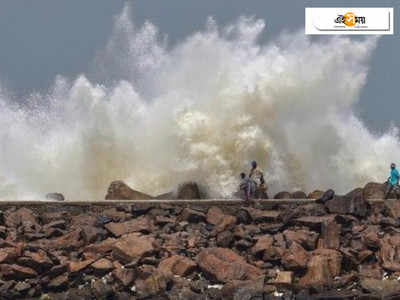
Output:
x=339 y=248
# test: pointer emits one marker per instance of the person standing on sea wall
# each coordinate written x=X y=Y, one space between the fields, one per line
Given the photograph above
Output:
x=257 y=177
x=393 y=182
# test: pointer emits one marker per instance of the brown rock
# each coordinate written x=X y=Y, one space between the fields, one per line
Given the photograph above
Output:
x=224 y=239
x=263 y=243
x=188 y=190
x=384 y=288
x=261 y=216
x=192 y=216
x=295 y=257
x=102 y=247
x=307 y=239
x=155 y=285
x=225 y=265
x=118 y=190
x=393 y=209
x=116 y=215
x=69 y=241
x=317 y=194
x=314 y=222
x=92 y=234
x=373 y=190
x=16 y=218
x=102 y=290
x=39 y=261
x=390 y=252
x=141 y=224
x=77 y=266
x=282 y=279
x=221 y=221
x=102 y=266
x=57 y=270
x=324 y=265
x=371 y=271
x=3 y=232
x=124 y=276
x=353 y=203
x=299 y=195
x=246 y=289
x=177 y=265
x=330 y=235
x=133 y=247
x=15 y=272
x=58 y=283
x=22 y=287
x=8 y=255
x=371 y=239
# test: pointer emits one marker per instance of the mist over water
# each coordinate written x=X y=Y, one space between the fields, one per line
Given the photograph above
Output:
x=155 y=116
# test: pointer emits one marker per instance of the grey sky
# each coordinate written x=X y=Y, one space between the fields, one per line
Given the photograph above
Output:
x=40 y=39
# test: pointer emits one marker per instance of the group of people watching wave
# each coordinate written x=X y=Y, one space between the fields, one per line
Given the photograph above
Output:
x=253 y=186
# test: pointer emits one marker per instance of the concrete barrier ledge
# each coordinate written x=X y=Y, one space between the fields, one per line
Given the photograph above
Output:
x=174 y=202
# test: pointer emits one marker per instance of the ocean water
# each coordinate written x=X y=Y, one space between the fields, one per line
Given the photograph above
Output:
x=199 y=110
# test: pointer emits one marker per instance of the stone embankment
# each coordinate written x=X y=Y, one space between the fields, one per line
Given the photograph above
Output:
x=339 y=247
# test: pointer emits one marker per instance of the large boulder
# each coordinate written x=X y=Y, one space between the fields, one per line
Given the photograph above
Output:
x=188 y=190
x=322 y=268
x=384 y=288
x=306 y=238
x=118 y=190
x=283 y=195
x=224 y=265
x=352 y=203
x=141 y=224
x=299 y=195
x=133 y=247
x=315 y=194
x=177 y=265
x=373 y=190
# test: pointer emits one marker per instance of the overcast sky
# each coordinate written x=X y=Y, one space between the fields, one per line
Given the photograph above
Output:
x=43 y=38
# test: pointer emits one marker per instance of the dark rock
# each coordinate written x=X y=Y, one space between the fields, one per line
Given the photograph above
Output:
x=243 y=217
x=373 y=190
x=307 y=239
x=225 y=239
x=55 y=196
x=353 y=203
x=191 y=215
x=384 y=288
x=188 y=190
x=155 y=285
x=328 y=195
x=244 y=290
x=283 y=195
x=118 y=190
x=330 y=235
x=58 y=283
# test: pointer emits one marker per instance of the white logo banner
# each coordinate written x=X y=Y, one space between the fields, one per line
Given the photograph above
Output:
x=339 y=20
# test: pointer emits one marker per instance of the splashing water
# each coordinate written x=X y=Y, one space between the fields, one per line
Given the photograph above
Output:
x=199 y=111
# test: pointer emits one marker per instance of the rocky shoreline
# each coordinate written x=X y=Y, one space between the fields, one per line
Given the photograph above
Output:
x=342 y=248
